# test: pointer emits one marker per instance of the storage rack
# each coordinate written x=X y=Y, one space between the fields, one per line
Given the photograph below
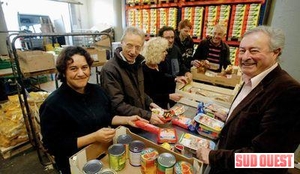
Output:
x=237 y=15
x=18 y=79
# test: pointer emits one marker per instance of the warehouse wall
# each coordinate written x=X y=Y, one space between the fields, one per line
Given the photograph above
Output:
x=285 y=15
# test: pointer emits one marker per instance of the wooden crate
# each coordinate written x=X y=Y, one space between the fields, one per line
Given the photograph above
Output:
x=14 y=150
x=230 y=81
x=192 y=97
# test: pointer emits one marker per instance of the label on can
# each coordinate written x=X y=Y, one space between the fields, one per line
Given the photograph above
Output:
x=135 y=149
x=125 y=139
x=92 y=167
x=165 y=162
x=183 y=167
x=108 y=171
x=117 y=159
x=148 y=161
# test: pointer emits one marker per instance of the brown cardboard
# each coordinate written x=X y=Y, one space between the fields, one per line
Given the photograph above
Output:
x=33 y=61
x=218 y=80
x=98 y=54
x=193 y=99
x=78 y=160
x=104 y=42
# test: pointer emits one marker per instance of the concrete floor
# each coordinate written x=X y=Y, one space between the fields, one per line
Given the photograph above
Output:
x=26 y=162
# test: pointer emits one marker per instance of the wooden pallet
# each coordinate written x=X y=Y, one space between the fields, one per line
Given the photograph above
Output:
x=14 y=150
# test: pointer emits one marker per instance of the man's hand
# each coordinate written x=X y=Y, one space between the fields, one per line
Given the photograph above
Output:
x=155 y=119
x=203 y=154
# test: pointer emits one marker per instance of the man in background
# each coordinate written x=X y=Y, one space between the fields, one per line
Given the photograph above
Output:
x=212 y=52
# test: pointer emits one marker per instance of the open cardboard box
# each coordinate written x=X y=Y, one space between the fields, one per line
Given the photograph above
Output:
x=192 y=98
x=93 y=151
x=218 y=80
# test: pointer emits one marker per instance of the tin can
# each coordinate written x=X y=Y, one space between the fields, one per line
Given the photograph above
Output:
x=166 y=163
x=108 y=171
x=183 y=167
x=135 y=149
x=125 y=139
x=149 y=161
x=117 y=159
x=92 y=167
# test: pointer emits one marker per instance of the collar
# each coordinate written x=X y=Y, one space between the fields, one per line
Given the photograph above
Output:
x=258 y=78
x=123 y=58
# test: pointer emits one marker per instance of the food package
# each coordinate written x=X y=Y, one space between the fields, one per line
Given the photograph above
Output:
x=168 y=135
x=182 y=121
x=194 y=142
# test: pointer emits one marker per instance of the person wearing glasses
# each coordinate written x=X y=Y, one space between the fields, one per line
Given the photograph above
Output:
x=264 y=117
x=122 y=78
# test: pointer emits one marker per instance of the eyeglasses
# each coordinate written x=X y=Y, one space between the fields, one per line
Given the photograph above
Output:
x=131 y=46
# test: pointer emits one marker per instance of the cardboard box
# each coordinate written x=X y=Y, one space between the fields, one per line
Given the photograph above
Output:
x=93 y=151
x=98 y=54
x=104 y=42
x=33 y=61
x=191 y=96
x=231 y=81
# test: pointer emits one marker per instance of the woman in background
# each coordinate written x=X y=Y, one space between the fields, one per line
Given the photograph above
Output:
x=77 y=113
x=156 y=83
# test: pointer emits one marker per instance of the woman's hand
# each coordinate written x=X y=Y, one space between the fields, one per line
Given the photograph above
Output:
x=132 y=119
x=175 y=97
x=182 y=79
x=104 y=135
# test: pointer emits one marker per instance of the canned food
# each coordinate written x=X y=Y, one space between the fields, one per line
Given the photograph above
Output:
x=125 y=139
x=108 y=171
x=183 y=167
x=135 y=149
x=148 y=161
x=92 y=167
x=117 y=159
x=165 y=162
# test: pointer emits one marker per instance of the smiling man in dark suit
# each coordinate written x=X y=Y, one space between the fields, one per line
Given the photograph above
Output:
x=264 y=117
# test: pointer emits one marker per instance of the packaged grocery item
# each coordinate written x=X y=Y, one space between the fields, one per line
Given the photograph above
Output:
x=168 y=135
x=194 y=142
x=178 y=109
x=147 y=127
x=182 y=121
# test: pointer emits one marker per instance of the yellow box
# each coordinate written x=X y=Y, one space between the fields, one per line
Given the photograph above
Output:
x=33 y=61
x=93 y=151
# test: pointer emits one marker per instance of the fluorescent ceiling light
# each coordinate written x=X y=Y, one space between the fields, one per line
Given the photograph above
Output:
x=68 y=1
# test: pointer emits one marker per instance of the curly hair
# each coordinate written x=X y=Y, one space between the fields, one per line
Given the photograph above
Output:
x=65 y=57
x=154 y=50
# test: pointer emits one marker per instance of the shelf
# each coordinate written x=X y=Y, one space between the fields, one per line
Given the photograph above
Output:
x=218 y=2
x=182 y=3
x=168 y=5
x=230 y=43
